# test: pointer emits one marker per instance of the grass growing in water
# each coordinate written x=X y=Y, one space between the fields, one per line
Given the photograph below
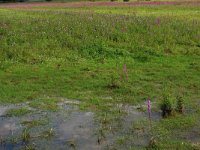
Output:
x=34 y=123
x=17 y=112
x=45 y=104
x=25 y=135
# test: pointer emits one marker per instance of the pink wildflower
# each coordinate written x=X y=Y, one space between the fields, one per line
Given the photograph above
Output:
x=125 y=71
x=149 y=107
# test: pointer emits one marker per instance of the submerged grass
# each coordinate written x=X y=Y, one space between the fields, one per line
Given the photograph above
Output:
x=45 y=104
x=17 y=112
x=34 y=123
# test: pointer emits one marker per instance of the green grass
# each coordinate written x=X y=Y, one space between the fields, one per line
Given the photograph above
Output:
x=34 y=123
x=80 y=54
x=56 y=53
x=45 y=104
x=191 y=12
x=17 y=112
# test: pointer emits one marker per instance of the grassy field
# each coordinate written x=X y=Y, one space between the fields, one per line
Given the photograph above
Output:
x=80 y=53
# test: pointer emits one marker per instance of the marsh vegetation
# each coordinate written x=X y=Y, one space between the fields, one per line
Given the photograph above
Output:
x=107 y=59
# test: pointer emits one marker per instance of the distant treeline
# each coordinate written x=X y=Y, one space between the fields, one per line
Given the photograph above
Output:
x=7 y=1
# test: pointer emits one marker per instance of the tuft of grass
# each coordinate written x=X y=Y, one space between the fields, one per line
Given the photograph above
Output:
x=25 y=135
x=167 y=106
x=180 y=104
x=114 y=84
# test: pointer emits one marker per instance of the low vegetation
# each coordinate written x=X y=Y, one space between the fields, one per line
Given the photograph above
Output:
x=104 y=56
x=17 y=112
